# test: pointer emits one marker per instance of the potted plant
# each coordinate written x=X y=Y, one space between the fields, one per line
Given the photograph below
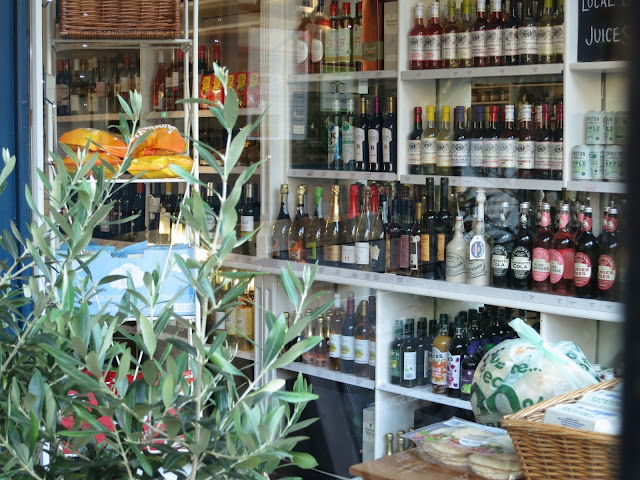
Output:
x=75 y=402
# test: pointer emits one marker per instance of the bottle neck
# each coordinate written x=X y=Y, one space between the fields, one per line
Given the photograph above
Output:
x=284 y=201
x=587 y=222
x=374 y=204
x=444 y=198
x=300 y=206
x=429 y=200
x=334 y=212
x=353 y=206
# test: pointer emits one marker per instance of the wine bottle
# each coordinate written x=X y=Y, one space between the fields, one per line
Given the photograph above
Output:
x=394 y=358
x=439 y=357
x=495 y=32
x=409 y=357
x=347 y=137
x=463 y=37
x=414 y=143
x=510 y=36
x=348 y=231
x=372 y=337
x=443 y=144
x=527 y=36
x=280 y=230
x=247 y=224
x=557 y=34
x=345 y=39
x=460 y=151
x=334 y=141
x=159 y=87
x=377 y=244
x=543 y=146
x=479 y=36
x=298 y=228
x=522 y=253
x=347 y=340
x=428 y=150
x=444 y=228
x=421 y=343
x=455 y=354
x=331 y=41
x=357 y=38
x=585 y=262
x=544 y=34
x=610 y=260
x=361 y=355
x=335 y=336
x=331 y=239
x=415 y=243
x=449 y=33
x=374 y=137
x=557 y=146
x=433 y=39
x=508 y=145
x=361 y=150
x=490 y=142
x=364 y=234
x=476 y=143
x=562 y=256
x=389 y=140
x=501 y=250
x=526 y=144
x=315 y=232
x=455 y=255
x=392 y=236
x=417 y=36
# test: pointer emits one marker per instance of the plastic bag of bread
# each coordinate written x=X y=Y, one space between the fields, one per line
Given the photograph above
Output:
x=103 y=157
x=468 y=447
x=157 y=166
x=99 y=141
x=160 y=140
x=524 y=371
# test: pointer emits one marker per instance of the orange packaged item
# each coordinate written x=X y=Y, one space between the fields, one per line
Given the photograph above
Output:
x=100 y=140
x=253 y=90
x=211 y=89
x=240 y=87
x=103 y=157
x=163 y=139
x=157 y=166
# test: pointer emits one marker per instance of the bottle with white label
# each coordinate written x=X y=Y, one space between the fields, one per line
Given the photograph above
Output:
x=526 y=144
x=345 y=39
x=585 y=259
x=508 y=145
x=522 y=252
x=443 y=144
x=331 y=41
x=414 y=143
x=348 y=137
x=494 y=35
x=544 y=146
x=455 y=354
x=501 y=249
x=478 y=258
x=449 y=34
x=460 y=154
x=510 y=34
x=528 y=36
x=562 y=256
x=433 y=39
x=416 y=39
x=463 y=37
x=357 y=38
x=490 y=142
x=335 y=333
x=247 y=219
x=557 y=35
x=374 y=137
x=333 y=121
x=610 y=261
x=428 y=151
x=455 y=255
x=347 y=347
x=479 y=36
x=389 y=150
x=544 y=34
x=364 y=234
x=361 y=144
x=409 y=356
x=321 y=24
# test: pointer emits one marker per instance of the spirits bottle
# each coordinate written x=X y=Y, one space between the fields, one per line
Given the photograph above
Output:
x=361 y=355
x=456 y=252
x=479 y=36
x=394 y=357
x=490 y=141
x=409 y=357
x=557 y=149
x=392 y=236
x=463 y=37
x=331 y=239
x=544 y=34
x=527 y=35
x=495 y=33
x=501 y=250
x=508 y=146
x=361 y=150
x=526 y=144
x=444 y=228
x=610 y=260
x=298 y=228
x=562 y=253
x=449 y=34
x=372 y=35
x=557 y=33
x=247 y=224
x=416 y=265
x=417 y=36
x=439 y=357
x=335 y=337
x=428 y=235
x=544 y=146
x=374 y=137
x=372 y=337
x=377 y=244
x=280 y=230
x=357 y=38
x=414 y=158
x=347 y=137
x=345 y=39
x=315 y=232
x=321 y=24
x=331 y=40
x=428 y=150
x=478 y=260
x=522 y=253
x=433 y=39
x=585 y=262
x=347 y=346
x=364 y=234
x=460 y=151
x=510 y=35
x=334 y=144
x=389 y=140
x=443 y=144
x=455 y=354
x=476 y=143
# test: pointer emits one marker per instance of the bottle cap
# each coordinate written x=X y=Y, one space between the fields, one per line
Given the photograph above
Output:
x=284 y=188
x=335 y=190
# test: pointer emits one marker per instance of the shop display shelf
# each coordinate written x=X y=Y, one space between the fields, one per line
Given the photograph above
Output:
x=341 y=76
x=341 y=174
x=599 y=187
x=327 y=374
x=475 y=73
x=485 y=182
x=425 y=393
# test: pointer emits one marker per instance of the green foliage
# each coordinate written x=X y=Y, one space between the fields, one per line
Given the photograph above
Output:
x=186 y=409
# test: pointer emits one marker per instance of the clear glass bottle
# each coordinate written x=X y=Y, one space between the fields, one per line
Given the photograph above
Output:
x=345 y=39
x=361 y=355
x=348 y=137
x=526 y=144
x=443 y=143
x=495 y=31
x=433 y=39
x=428 y=150
x=347 y=346
x=449 y=38
x=464 y=53
x=508 y=145
x=460 y=145
x=335 y=336
x=331 y=239
x=417 y=36
x=364 y=234
x=479 y=36
x=439 y=357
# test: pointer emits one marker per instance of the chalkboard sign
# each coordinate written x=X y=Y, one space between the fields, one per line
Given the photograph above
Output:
x=603 y=32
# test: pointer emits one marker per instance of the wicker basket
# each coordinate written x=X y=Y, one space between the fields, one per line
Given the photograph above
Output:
x=550 y=452
x=112 y=19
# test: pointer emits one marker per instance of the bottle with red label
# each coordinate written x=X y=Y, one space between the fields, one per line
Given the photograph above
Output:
x=433 y=39
x=542 y=244
x=609 y=262
x=562 y=253
x=585 y=259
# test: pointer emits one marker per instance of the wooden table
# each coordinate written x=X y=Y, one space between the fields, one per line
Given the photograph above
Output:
x=407 y=465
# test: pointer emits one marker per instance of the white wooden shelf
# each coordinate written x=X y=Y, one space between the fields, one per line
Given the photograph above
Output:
x=599 y=187
x=330 y=77
x=60 y=44
x=246 y=355
x=327 y=374
x=109 y=117
x=341 y=174
x=205 y=169
x=243 y=112
x=477 y=72
x=600 y=67
x=527 y=300
x=425 y=393
x=486 y=182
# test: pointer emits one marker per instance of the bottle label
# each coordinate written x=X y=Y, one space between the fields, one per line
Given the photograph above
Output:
x=561 y=265
x=507 y=150
x=426 y=372
x=124 y=84
x=453 y=371
x=395 y=363
x=344 y=45
x=362 y=352
x=455 y=268
x=490 y=147
x=477 y=153
x=499 y=261
x=211 y=223
x=606 y=272
x=416 y=48
x=543 y=156
x=587 y=223
x=544 y=38
x=335 y=341
x=409 y=368
x=477 y=248
x=414 y=152
x=510 y=42
x=230 y=323
x=429 y=152
x=424 y=247
x=449 y=46
x=348 y=254
x=545 y=219
x=74 y=101
x=526 y=155
x=62 y=94
x=93 y=102
x=460 y=155
x=541 y=264
x=317 y=50
x=463 y=46
x=374 y=138
x=438 y=367
x=359 y=145
x=466 y=379
x=244 y=321
x=372 y=353
x=443 y=149
x=441 y=247
x=312 y=251
x=357 y=43
x=246 y=223
x=176 y=79
x=414 y=254
x=581 y=269
x=331 y=45
x=563 y=220
x=479 y=44
x=386 y=145
x=612 y=224
x=494 y=42
x=348 y=142
x=557 y=39
x=374 y=251
x=478 y=272
x=347 y=347
x=520 y=263
x=332 y=253
x=527 y=41
x=432 y=47
x=403 y=252
x=154 y=206
x=557 y=156
x=333 y=137
x=362 y=253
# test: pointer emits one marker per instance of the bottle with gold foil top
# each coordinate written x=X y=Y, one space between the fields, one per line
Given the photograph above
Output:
x=315 y=231
x=335 y=336
x=280 y=230
x=244 y=319
x=388 y=439
x=331 y=239
x=298 y=229
x=362 y=341
x=401 y=441
x=321 y=357
x=309 y=356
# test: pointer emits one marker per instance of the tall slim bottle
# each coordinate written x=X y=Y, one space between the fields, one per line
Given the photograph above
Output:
x=303 y=41
x=476 y=143
x=331 y=40
x=364 y=234
x=298 y=228
x=544 y=34
x=377 y=244
x=479 y=36
x=557 y=34
x=490 y=144
x=392 y=239
x=348 y=137
x=417 y=36
x=428 y=235
x=543 y=153
x=428 y=150
x=334 y=143
x=396 y=346
x=348 y=232
x=522 y=253
x=335 y=337
x=414 y=159
x=501 y=250
x=444 y=228
x=439 y=357
x=449 y=34
x=361 y=143
x=389 y=140
x=562 y=253
x=610 y=260
x=585 y=262
x=416 y=265
x=433 y=39
x=321 y=24
x=357 y=38
x=495 y=33
x=374 y=137
x=247 y=220
x=527 y=35
x=331 y=239
x=463 y=37
x=347 y=346
x=456 y=252
x=455 y=354
x=409 y=357
x=510 y=36
x=345 y=39
x=361 y=348
x=460 y=145
x=479 y=253
x=508 y=145
x=280 y=230
x=557 y=146
x=372 y=337
x=526 y=144
x=443 y=144
x=315 y=232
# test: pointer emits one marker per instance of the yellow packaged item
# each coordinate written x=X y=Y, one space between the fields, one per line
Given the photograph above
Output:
x=157 y=166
